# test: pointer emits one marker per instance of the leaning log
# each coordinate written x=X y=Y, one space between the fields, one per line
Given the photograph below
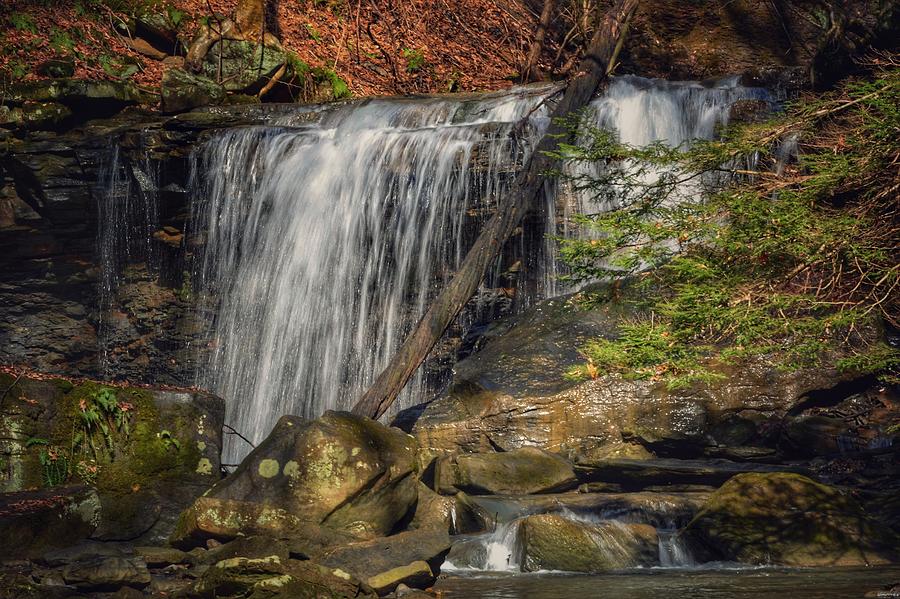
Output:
x=512 y=207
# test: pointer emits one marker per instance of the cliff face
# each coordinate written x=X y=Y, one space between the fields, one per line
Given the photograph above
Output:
x=61 y=310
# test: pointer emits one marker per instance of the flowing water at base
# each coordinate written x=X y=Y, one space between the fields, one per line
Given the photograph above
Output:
x=721 y=583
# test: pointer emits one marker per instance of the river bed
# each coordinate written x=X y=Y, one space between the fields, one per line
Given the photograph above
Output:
x=721 y=583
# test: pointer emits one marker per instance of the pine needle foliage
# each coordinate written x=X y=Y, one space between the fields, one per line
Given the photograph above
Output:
x=775 y=257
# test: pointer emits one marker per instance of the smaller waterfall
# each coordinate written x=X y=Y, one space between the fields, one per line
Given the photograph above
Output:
x=127 y=216
x=673 y=552
x=502 y=549
x=642 y=112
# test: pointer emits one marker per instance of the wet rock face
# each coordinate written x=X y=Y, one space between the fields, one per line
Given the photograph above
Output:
x=791 y=520
x=148 y=452
x=514 y=392
x=345 y=472
x=518 y=472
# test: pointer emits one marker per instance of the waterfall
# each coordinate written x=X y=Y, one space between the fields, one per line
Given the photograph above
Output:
x=325 y=242
x=502 y=548
x=325 y=233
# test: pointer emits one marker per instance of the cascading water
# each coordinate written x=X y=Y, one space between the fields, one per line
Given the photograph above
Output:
x=327 y=232
x=326 y=242
x=642 y=112
x=128 y=213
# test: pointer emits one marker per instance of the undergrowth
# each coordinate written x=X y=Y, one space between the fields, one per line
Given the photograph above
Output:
x=762 y=255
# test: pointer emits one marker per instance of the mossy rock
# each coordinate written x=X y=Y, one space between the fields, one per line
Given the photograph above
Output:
x=789 y=519
x=108 y=96
x=552 y=542
x=245 y=66
x=159 y=450
x=182 y=91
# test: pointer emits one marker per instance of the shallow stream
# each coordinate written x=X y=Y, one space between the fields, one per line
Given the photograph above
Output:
x=709 y=582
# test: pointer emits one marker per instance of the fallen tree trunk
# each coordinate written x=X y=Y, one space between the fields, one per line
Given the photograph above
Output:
x=512 y=207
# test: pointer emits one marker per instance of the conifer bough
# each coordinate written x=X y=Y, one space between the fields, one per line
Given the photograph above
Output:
x=512 y=207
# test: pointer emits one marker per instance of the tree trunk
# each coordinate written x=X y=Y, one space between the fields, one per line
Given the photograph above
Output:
x=531 y=72
x=511 y=208
x=250 y=18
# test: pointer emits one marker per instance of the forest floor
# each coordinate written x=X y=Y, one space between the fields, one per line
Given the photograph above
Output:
x=377 y=47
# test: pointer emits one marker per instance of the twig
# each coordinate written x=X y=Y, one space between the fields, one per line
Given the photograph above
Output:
x=8 y=389
x=231 y=431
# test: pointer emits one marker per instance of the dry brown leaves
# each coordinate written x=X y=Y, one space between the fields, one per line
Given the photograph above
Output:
x=372 y=44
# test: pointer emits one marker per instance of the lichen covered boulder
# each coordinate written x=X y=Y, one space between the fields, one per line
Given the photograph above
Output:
x=788 y=519
x=552 y=542
x=518 y=472
x=223 y=520
x=340 y=471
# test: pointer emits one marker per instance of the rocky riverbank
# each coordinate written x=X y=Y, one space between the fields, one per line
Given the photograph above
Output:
x=765 y=468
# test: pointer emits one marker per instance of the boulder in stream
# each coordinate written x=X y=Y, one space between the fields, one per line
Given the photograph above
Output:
x=553 y=542
x=788 y=519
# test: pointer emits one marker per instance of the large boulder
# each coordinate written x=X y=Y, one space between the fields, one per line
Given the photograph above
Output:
x=182 y=91
x=243 y=66
x=518 y=472
x=515 y=391
x=342 y=471
x=35 y=522
x=553 y=542
x=791 y=520
x=157 y=450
